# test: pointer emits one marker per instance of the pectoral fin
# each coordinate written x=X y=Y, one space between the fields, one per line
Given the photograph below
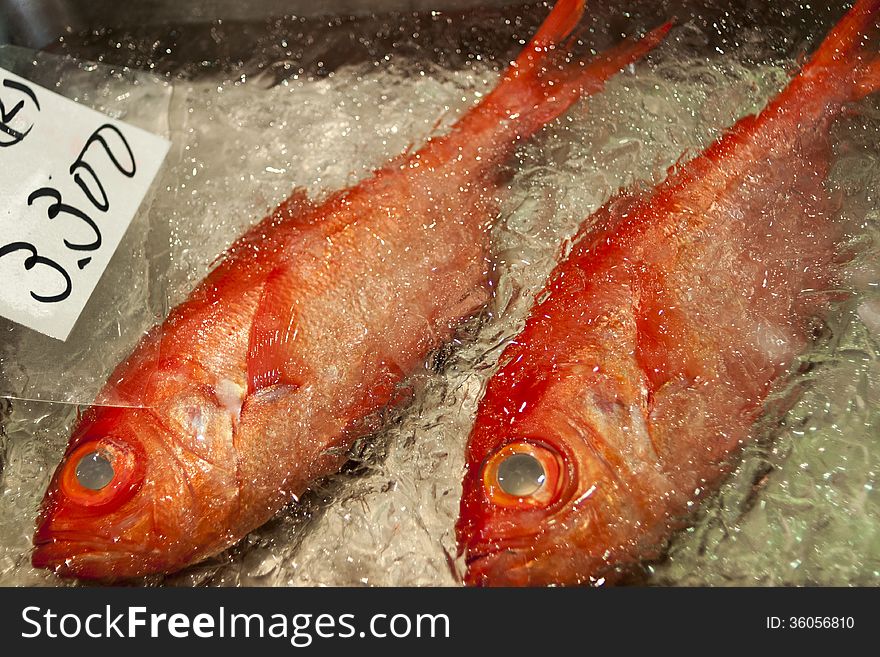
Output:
x=271 y=357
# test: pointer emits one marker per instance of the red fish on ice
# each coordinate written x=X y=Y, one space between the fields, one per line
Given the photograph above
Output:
x=657 y=341
x=259 y=382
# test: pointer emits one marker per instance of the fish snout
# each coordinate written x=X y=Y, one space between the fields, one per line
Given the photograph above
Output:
x=491 y=558
x=74 y=543
x=502 y=567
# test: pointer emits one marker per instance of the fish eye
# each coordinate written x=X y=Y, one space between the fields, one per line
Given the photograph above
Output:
x=94 y=471
x=524 y=474
x=102 y=471
x=520 y=474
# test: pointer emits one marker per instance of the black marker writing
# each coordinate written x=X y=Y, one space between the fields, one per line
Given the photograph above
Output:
x=11 y=136
x=81 y=164
x=35 y=259
x=120 y=155
x=58 y=207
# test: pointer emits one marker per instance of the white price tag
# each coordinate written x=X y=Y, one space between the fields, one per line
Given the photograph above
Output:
x=71 y=180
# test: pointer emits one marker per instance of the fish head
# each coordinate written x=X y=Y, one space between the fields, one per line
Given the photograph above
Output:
x=539 y=504
x=139 y=490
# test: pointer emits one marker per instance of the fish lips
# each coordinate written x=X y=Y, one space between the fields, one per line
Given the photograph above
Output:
x=70 y=553
x=502 y=566
x=493 y=562
x=76 y=557
x=496 y=554
x=88 y=561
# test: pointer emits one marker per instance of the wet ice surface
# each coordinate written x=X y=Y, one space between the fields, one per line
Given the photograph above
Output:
x=802 y=507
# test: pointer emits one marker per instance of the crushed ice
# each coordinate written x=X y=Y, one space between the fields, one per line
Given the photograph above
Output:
x=801 y=509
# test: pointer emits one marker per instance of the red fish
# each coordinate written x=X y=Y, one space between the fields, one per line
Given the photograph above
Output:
x=260 y=381
x=652 y=352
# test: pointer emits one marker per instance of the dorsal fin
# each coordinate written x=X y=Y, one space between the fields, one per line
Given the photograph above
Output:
x=294 y=211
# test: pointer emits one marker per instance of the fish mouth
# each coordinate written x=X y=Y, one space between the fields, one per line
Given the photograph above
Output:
x=497 y=567
x=73 y=555
x=491 y=560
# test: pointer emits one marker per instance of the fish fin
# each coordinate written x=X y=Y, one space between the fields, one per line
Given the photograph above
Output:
x=869 y=79
x=849 y=53
x=545 y=81
x=295 y=210
x=612 y=61
x=847 y=37
x=270 y=359
x=401 y=160
x=295 y=207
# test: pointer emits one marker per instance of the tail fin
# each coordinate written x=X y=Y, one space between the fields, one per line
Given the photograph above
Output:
x=543 y=82
x=849 y=54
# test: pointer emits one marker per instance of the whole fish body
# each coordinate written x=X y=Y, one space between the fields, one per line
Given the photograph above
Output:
x=259 y=382
x=653 y=347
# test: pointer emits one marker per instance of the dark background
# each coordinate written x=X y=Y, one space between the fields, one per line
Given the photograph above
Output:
x=230 y=30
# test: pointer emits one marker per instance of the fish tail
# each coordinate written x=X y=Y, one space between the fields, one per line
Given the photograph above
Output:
x=545 y=80
x=869 y=81
x=592 y=77
x=847 y=60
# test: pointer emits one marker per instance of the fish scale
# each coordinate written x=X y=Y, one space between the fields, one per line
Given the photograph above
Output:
x=316 y=315
x=648 y=361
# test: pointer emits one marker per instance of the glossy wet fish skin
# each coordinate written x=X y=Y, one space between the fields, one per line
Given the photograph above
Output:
x=656 y=343
x=259 y=382
x=221 y=463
